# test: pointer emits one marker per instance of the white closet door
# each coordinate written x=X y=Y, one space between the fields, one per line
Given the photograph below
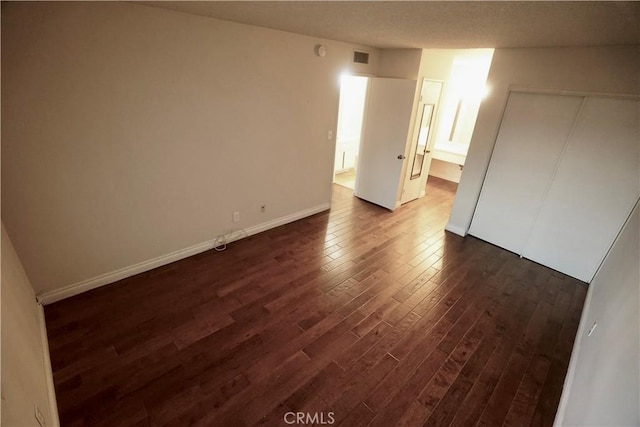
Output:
x=593 y=191
x=532 y=135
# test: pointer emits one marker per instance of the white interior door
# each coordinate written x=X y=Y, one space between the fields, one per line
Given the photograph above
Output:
x=593 y=191
x=422 y=141
x=384 y=139
x=532 y=135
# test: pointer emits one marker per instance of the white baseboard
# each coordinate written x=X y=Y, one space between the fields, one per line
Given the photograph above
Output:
x=111 y=277
x=49 y=297
x=51 y=390
x=287 y=219
x=456 y=230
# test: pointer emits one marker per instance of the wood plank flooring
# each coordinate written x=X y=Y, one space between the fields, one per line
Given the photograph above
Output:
x=379 y=318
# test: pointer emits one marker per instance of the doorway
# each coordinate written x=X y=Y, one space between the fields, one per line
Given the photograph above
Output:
x=353 y=94
x=462 y=75
x=463 y=94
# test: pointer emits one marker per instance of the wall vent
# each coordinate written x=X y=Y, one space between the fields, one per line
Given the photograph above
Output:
x=360 y=57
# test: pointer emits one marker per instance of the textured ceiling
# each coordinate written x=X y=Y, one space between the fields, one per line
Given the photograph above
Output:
x=426 y=24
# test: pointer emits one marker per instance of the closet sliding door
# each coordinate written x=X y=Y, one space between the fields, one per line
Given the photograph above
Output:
x=563 y=178
x=532 y=135
x=593 y=191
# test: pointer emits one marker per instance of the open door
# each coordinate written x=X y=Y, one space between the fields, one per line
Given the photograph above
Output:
x=384 y=140
x=423 y=141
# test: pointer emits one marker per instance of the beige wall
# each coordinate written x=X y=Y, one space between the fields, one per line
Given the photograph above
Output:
x=603 y=383
x=25 y=377
x=131 y=132
x=597 y=69
x=399 y=63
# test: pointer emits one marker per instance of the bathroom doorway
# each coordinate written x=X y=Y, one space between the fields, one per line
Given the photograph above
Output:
x=353 y=94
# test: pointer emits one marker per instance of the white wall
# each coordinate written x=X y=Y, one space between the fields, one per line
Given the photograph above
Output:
x=603 y=383
x=131 y=132
x=590 y=69
x=26 y=373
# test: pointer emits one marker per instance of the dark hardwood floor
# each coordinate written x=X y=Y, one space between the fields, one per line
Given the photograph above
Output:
x=378 y=318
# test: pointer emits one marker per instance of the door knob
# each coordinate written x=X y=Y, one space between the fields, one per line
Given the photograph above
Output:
x=401 y=157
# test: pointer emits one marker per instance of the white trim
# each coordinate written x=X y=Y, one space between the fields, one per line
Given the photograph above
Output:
x=287 y=219
x=122 y=273
x=51 y=390
x=460 y=231
x=113 y=276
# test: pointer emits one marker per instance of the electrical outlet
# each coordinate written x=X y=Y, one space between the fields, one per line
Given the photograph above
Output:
x=39 y=417
x=330 y=135
x=263 y=208
x=236 y=216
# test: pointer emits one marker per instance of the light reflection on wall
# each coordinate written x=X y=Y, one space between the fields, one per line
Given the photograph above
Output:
x=464 y=91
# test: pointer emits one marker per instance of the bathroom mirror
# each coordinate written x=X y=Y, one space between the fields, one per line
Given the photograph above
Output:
x=423 y=138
